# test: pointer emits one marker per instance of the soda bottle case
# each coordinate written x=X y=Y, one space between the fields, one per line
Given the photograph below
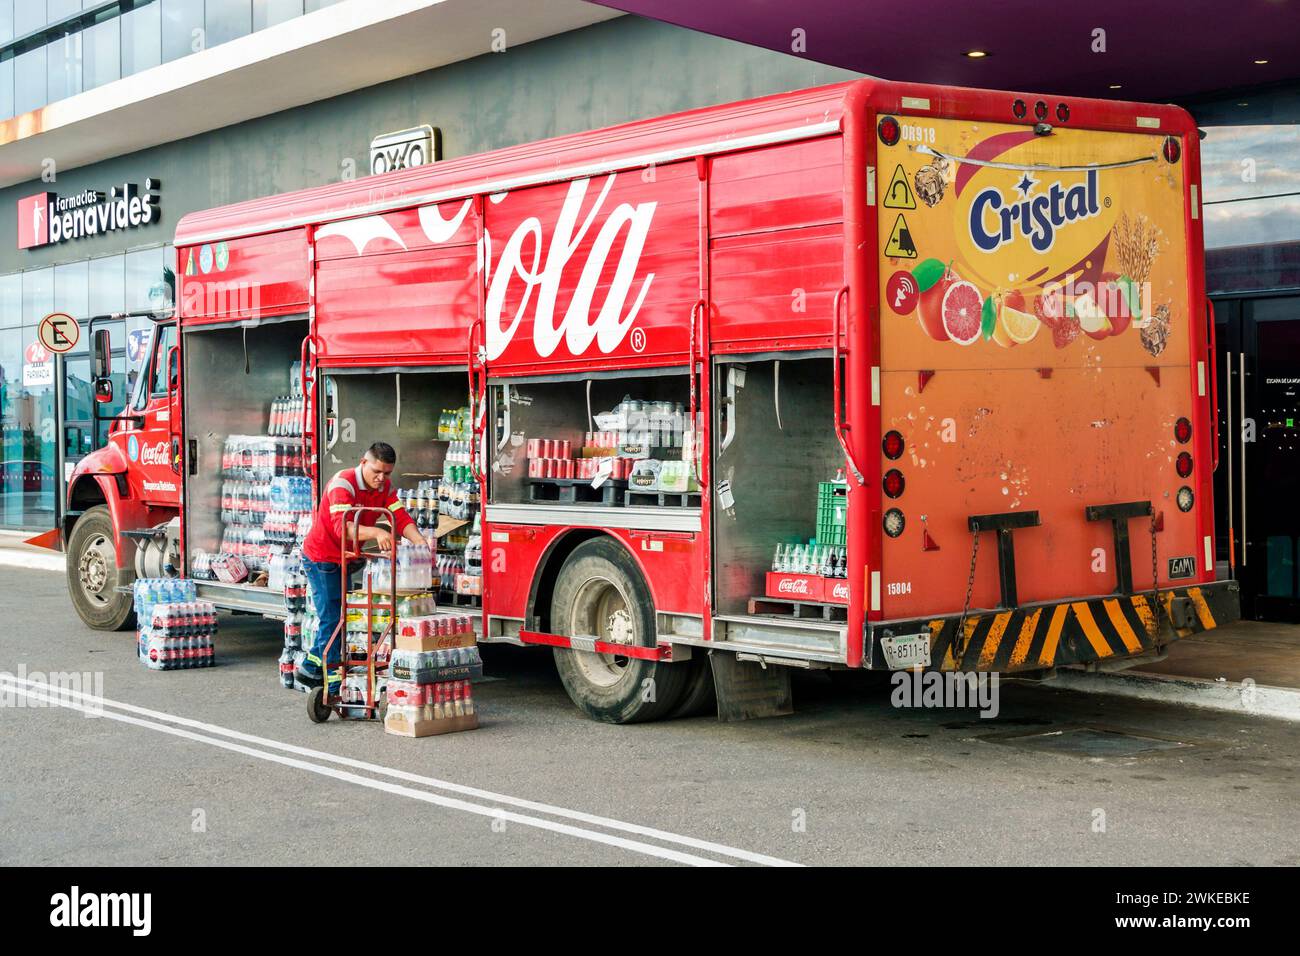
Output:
x=179 y=636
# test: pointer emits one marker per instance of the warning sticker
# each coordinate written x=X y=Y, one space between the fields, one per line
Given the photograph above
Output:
x=900 y=244
x=899 y=193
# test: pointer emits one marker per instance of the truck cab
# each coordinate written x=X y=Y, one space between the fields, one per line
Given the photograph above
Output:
x=123 y=499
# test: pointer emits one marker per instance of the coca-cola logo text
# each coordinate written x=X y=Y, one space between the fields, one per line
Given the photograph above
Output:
x=793 y=586
x=155 y=454
x=522 y=259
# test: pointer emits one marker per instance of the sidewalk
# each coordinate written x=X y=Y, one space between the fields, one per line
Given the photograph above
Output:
x=1250 y=667
x=15 y=553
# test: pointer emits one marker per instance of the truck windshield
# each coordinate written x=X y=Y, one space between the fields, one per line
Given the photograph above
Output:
x=140 y=384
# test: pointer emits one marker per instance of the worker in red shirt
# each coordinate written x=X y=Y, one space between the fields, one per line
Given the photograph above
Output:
x=366 y=485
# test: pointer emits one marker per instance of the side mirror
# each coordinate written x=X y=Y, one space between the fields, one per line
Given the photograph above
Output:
x=103 y=367
x=103 y=354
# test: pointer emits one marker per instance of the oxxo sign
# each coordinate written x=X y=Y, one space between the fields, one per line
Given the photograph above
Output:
x=49 y=218
x=404 y=148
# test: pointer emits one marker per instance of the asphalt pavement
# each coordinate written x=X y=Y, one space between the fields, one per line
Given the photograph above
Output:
x=222 y=766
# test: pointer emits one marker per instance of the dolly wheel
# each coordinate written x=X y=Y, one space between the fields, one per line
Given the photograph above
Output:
x=316 y=707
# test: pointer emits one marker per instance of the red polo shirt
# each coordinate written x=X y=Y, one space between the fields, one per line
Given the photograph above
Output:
x=347 y=490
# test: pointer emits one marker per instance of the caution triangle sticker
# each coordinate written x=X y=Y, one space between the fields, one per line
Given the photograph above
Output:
x=899 y=194
x=900 y=245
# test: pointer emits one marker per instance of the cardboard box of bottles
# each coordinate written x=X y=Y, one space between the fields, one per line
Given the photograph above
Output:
x=402 y=723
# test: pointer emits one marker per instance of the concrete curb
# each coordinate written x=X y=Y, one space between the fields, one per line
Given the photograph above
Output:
x=1246 y=698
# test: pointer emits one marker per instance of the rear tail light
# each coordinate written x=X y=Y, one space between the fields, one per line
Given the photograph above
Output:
x=893 y=483
x=889 y=130
x=893 y=445
x=1040 y=110
x=1062 y=112
x=894 y=522
x=1185 y=499
x=1183 y=464
x=1172 y=149
x=1019 y=109
x=1183 y=431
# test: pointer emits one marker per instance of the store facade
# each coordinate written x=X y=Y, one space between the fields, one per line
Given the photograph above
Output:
x=117 y=278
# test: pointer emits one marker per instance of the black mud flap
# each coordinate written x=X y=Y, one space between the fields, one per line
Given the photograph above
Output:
x=747 y=689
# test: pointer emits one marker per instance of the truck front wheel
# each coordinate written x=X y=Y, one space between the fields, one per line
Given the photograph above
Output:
x=93 y=574
x=600 y=593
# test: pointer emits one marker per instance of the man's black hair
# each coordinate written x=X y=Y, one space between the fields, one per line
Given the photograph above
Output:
x=382 y=451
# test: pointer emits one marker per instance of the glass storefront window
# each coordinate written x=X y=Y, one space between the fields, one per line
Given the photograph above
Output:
x=11 y=301
x=64 y=62
x=17 y=427
x=228 y=20
x=267 y=13
x=1251 y=207
x=141 y=39
x=107 y=281
x=102 y=53
x=7 y=89
x=29 y=15
x=182 y=28
x=56 y=10
x=6 y=21
x=30 y=482
x=1249 y=178
x=146 y=284
x=71 y=295
x=29 y=81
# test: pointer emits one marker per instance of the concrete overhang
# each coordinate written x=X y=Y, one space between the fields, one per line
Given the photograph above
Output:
x=345 y=47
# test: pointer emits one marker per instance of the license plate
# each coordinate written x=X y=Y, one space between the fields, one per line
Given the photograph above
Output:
x=906 y=650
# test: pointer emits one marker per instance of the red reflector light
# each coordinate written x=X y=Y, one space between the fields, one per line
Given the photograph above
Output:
x=1062 y=112
x=893 y=445
x=1040 y=110
x=889 y=130
x=1019 y=109
x=1183 y=431
x=1183 y=464
x=1172 y=149
x=893 y=483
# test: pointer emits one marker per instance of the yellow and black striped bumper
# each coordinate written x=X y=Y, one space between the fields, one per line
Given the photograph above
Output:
x=1039 y=636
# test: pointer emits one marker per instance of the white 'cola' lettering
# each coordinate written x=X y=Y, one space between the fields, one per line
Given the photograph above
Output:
x=543 y=276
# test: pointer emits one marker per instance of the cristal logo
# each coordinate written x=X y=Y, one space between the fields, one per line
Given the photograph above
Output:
x=995 y=221
x=522 y=258
x=793 y=586
x=154 y=454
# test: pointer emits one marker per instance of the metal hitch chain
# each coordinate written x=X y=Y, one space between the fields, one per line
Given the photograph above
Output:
x=1153 y=627
x=959 y=639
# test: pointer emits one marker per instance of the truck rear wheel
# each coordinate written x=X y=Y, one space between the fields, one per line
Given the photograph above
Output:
x=600 y=593
x=93 y=574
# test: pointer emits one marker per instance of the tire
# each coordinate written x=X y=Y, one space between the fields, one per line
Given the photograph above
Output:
x=316 y=709
x=699 y=698
x=93 y=574
x=600 y=592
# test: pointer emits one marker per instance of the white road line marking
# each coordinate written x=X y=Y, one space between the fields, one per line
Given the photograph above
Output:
x=576 y=815
x=495 y=813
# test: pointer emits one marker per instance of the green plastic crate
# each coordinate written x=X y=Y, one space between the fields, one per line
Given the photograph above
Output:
x=832 y=511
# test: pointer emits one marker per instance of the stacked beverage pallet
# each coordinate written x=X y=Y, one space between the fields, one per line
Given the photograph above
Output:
x=662 y=499
x=575 y=491
x=804 y=610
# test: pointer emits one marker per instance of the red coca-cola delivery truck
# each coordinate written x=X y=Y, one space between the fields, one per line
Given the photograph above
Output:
x=877 y=375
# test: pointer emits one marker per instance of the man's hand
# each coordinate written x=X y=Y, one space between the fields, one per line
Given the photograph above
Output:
x=383 y=540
